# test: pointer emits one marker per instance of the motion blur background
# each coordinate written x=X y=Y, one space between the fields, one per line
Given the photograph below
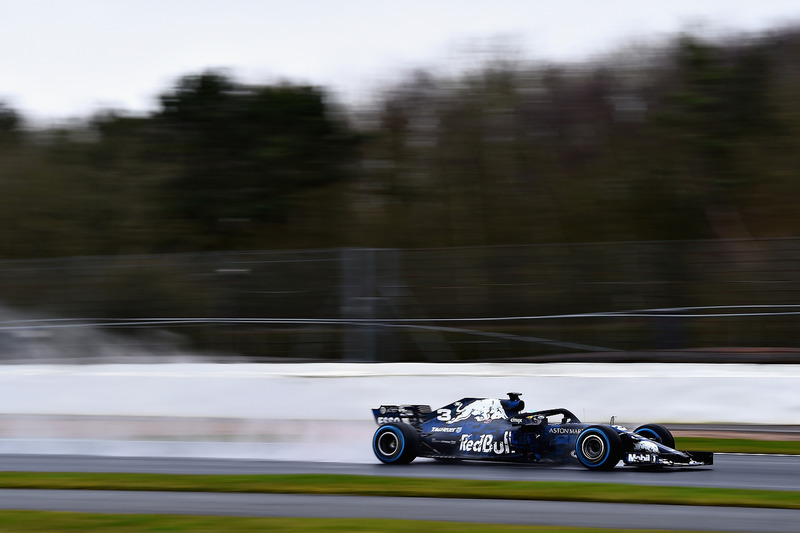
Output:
x=638 y=205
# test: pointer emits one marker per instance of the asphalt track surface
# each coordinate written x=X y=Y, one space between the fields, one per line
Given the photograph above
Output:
x=731 y=471
x=772 y=472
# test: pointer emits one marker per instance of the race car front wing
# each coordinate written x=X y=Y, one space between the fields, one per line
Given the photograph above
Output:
x=677 y=459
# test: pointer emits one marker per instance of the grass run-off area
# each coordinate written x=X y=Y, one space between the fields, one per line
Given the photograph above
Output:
x=738 y=445
x=40 y=522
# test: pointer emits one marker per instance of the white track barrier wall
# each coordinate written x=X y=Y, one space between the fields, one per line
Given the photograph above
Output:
x=677 y=393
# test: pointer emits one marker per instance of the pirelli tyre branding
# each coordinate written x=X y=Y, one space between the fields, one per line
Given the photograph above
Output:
x=487 y=444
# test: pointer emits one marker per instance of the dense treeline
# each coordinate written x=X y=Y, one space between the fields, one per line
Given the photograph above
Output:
x=696 y=139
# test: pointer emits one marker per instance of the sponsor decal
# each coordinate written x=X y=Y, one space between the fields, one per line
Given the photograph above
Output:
x=564 y=431
x=486 y=444
x=531 y=420
x=388 y=419
x=446 y=430
x=642 y=458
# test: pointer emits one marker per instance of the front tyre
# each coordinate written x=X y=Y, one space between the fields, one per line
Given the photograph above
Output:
x=598 y=448
x=395 y=444
x=657 y=433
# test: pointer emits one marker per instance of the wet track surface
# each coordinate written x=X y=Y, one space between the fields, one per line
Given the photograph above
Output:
x=730 y=471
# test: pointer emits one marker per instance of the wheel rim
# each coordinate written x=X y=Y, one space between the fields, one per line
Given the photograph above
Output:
x=388 y=444
x=593 y=448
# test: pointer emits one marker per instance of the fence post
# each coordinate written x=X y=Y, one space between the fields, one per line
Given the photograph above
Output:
x=358 y=303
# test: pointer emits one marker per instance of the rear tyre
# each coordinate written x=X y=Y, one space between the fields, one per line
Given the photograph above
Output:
x=598 y=448
x=657 y=433
x=395 y=444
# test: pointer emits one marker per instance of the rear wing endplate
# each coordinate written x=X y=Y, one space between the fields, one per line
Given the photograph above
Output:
x=408 y=414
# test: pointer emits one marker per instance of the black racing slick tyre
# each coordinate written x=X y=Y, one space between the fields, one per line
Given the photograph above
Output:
x=598 y=448
x=395 y=444
x=657 y=433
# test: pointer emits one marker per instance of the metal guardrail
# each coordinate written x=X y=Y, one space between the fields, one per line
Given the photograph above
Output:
x=445 y=304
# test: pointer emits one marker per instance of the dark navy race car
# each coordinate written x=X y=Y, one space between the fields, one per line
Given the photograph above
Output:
x=499 y=430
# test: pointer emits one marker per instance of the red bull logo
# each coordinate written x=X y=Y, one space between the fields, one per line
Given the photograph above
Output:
x=486 y=444
x=479 y=410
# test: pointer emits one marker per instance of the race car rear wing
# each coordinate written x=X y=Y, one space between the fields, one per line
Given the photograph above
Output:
x=409 y=414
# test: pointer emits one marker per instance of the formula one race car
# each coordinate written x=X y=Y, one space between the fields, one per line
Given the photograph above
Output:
x=492 y=429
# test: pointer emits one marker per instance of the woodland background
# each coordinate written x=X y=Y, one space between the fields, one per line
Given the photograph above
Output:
x=695 y=140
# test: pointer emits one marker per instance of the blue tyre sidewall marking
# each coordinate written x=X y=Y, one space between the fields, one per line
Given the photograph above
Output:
x=605 y=456
x=401 y=439
x=647 y=432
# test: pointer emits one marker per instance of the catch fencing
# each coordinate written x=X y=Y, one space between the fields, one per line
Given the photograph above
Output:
x=532 y=302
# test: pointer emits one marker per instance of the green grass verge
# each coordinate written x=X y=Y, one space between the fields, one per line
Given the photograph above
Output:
x=738 y=445
x=45 y=521
x=414 y=487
